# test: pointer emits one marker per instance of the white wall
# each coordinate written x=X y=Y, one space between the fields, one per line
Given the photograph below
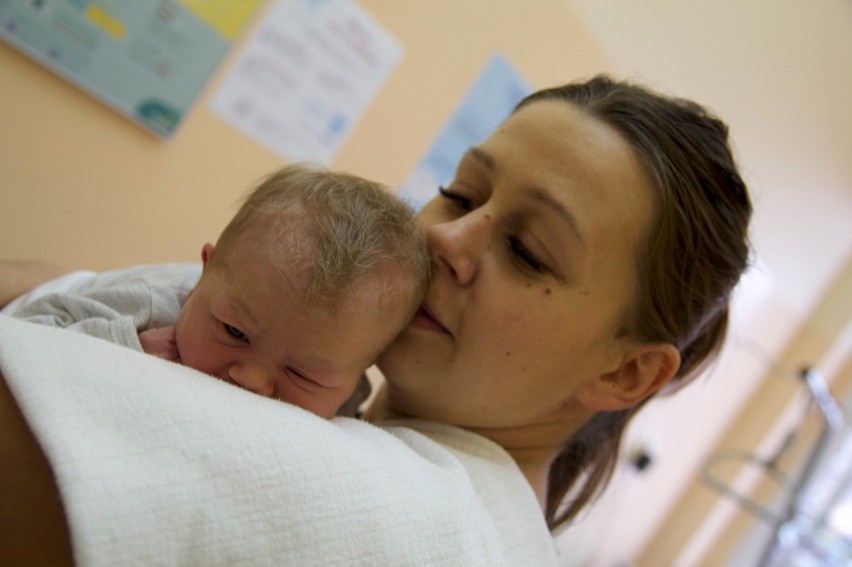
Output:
x=780 y=74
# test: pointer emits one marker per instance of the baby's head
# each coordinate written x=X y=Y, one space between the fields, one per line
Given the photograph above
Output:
x=315 y=275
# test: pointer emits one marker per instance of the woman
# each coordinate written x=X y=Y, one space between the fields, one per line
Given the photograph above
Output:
x=585 y=255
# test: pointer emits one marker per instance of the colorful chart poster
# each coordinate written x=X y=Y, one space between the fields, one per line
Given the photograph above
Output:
x=306 y=77
x=488 y=102
x=148 y=59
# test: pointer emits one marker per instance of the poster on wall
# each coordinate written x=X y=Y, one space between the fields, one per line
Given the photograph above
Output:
x=147 y=59
x=306 y=77
x=496 y=91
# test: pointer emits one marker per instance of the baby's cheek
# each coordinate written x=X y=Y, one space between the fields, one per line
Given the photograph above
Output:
x=190 y=353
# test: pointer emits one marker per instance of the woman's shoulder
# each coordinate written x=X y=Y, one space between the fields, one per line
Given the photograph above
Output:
x=497 y=490
x=169 y=438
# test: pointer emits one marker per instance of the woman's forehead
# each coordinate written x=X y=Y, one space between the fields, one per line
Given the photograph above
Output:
x=580 y=161
x=565 y=132
x=560 y=147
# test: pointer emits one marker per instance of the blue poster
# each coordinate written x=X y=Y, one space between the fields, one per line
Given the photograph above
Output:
x=489 y=101
x=147 y=59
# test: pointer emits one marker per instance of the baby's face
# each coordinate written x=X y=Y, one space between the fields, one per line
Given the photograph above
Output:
x=242 y=325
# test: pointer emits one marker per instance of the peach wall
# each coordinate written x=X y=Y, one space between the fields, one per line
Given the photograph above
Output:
x=85 y=187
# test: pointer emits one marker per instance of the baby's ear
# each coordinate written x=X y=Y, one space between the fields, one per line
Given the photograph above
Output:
x=644 y=369
x=206 y=253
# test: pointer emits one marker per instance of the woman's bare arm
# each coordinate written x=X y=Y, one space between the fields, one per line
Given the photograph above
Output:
x=20 y=276
x=33 y=530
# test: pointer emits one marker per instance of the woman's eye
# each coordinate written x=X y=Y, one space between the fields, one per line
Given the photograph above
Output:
x=523 y=254
x=458 y=200
x=234 y=332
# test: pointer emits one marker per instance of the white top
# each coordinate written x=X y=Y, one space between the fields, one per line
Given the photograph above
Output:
x=159 y=465
x=114 y=305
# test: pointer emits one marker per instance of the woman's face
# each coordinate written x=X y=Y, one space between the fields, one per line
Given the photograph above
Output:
x=535 y=243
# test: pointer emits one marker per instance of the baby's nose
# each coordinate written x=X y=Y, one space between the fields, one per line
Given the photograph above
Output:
x=253 y=377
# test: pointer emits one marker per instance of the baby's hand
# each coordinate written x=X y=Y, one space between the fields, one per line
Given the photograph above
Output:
x=160 y=342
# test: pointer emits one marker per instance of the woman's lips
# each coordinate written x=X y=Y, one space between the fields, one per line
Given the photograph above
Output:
x=423 y=319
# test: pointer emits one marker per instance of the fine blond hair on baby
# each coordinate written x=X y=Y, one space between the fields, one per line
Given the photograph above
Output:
x=330 y=233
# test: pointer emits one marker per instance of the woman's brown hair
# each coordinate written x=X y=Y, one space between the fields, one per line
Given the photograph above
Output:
x=692 y=260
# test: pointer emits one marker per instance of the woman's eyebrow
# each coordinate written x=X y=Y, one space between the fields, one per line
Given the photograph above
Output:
x=482 y=157
x=544 y=197
x=536 y=193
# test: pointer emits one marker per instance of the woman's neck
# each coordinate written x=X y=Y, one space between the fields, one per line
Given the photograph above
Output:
x=533 y=448
x=537 y=472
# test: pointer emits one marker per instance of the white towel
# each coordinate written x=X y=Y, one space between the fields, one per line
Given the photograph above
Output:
x=158 y=464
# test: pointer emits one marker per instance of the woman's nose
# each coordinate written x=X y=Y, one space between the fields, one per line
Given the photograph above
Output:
x=253 y=376
x=455 y=246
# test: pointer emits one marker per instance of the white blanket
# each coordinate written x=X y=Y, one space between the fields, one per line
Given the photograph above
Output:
x=160 y=465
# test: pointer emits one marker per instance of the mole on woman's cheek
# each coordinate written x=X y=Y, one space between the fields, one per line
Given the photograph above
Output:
x=547 y=291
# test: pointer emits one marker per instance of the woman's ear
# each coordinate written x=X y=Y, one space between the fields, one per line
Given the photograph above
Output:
x=644 y=369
